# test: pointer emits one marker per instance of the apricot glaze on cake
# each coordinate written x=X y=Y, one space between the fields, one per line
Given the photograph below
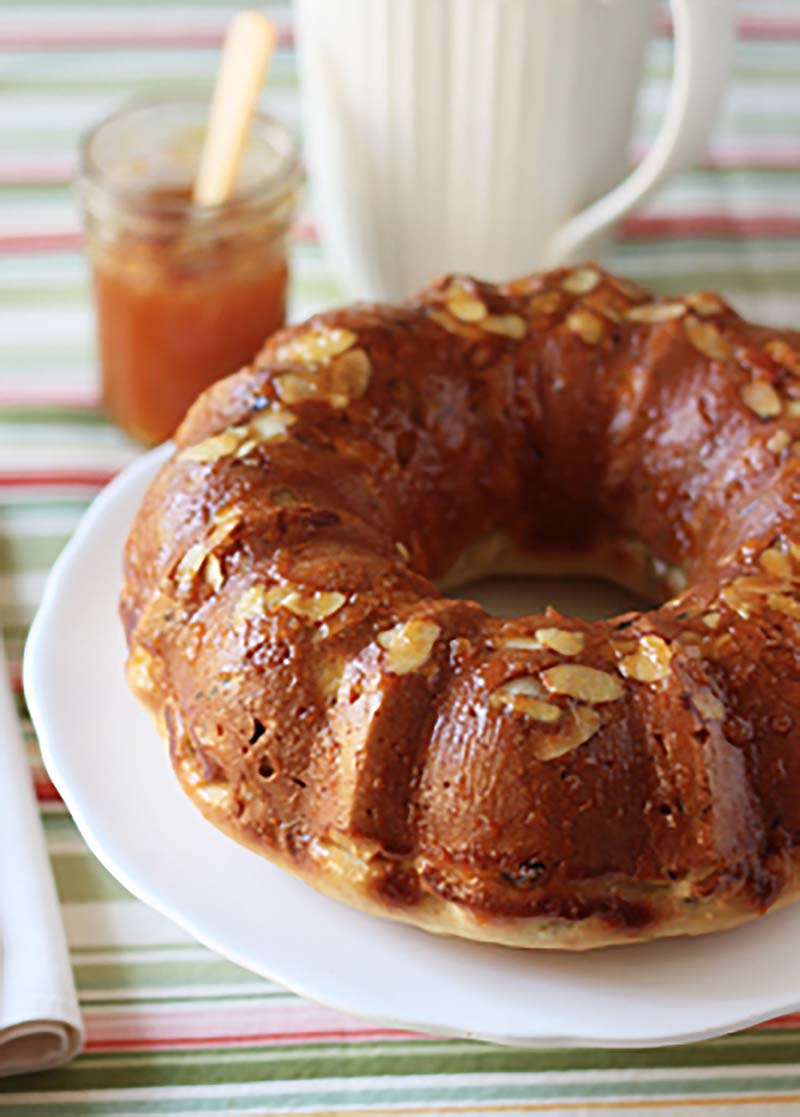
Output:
x=539 y=781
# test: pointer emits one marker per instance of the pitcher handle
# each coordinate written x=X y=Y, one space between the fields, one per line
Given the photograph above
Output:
x=704 y=39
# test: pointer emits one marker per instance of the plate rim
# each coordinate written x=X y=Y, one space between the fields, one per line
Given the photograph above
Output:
x=36 y=700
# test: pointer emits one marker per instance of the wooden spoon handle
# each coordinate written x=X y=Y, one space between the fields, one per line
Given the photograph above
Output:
x=249 y=43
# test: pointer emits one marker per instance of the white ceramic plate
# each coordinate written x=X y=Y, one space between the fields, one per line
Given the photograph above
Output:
x=112 y=770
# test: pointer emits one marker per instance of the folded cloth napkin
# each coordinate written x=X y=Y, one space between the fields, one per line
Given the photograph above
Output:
x=40 y=1022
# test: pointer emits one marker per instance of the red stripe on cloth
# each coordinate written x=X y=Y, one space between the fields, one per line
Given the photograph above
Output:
x=753 y=26
x=709 y=225
x=40 y=172
x=90 y=478
x=790 y=1021
x=169 y=1043
x=65 y=37
x=40 y=242
x=32 y=396
x=45 y=792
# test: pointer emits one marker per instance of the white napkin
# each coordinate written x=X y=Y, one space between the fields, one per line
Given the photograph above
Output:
x=40 y=1022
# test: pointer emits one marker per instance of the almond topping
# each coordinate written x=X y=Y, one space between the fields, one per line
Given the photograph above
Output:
x=317 y=605
x=560 y=640
x=466 y=309
x=580 y=725
x=706 y=339
x=704 y=304
x=586 y=325
x=215 y=447
x=214 y=794
x=522 y=643
x=212 y=572
x=249 y=605
x=581 y=282
x=586 y=684
x=409 y=645
x=546 y=302
x=316 y=346
x=783 y=355
x=708 y=705
x=447 y=323
x=782 y=603
x=463 y=304
x=506 y=325
x=650 y=662
x=350 y=375
x=225 y=521
x=778 y=442
x=655 y=312
x=240 y=439
x=525 y=696
x=775 y=562
x=711 y=620
x=761 y=398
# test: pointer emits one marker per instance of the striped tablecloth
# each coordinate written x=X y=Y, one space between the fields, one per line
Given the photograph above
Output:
x=173 y=1028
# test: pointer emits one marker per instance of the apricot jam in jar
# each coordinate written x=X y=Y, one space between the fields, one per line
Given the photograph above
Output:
x=184 y=294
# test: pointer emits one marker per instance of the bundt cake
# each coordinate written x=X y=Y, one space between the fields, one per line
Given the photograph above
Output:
x=539 y=781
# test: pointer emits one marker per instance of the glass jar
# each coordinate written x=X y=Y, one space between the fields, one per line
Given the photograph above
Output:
x=184 y=294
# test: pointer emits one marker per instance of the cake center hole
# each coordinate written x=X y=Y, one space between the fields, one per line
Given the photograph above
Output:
x=590 y=598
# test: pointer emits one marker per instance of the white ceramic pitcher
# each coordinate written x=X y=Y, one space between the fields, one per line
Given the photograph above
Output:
x=490 y=136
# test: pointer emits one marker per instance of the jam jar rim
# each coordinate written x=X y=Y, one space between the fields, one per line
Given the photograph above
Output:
x=102 y=197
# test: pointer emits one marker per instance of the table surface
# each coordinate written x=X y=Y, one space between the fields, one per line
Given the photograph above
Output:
x=172 y=1028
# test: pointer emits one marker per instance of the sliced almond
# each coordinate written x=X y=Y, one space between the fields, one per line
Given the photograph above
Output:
x=784 y=355
x=316 y=346
x=545 y=302
x=217 y=794
x=577 y=727
x=408 y=645
x=350 y=374
x=706 y=339
x=212 y=572
x=776 y=562
x=581 y=282
x=762 y=399
x=217 y=446
x=525 y=695
x=316 y=604
x=711 y=620
x=655 y=312
x=225 y=522
x=271 y=424
x=505 y=325
x=586 y=684
x=779 y=441
x=521 y=643
x=560 y=640
x=466 y=309
x=704 y=304
x=650 y=662
x=782 y=603
x=239 y=440
x=586 y=325
x=452 y=325
x=249 y=606
x=708 y=705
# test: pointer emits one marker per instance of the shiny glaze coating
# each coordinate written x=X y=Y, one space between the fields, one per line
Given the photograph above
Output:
x=541 y=781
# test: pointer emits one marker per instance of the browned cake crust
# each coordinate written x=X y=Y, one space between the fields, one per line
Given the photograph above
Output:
x=540 y=781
